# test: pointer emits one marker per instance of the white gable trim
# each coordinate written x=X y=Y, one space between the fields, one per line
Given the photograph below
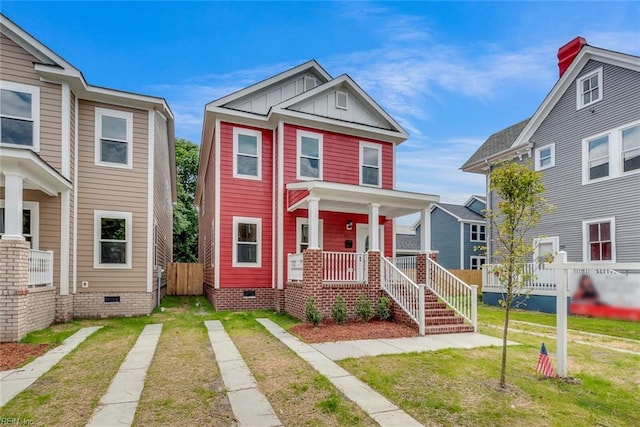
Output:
x=461 y=220
x=586 y=53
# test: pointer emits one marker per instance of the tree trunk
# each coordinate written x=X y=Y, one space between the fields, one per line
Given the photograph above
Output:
x=505 y=331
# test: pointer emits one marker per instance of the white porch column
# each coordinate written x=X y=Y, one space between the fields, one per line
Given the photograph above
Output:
x=313 y=222
x=374 y=227
x=425 y=230
x=12 y=205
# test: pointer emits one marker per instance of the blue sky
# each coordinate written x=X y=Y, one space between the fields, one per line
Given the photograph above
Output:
x=452 y=73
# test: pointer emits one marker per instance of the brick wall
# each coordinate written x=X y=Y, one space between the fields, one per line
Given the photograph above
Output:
x=294 y=299
x=14 y=276
x=41 y=308
x=91 y=304
x=234 y=298
x=64 y=308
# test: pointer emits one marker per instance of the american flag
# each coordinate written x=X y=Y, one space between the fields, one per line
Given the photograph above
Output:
x=544 y=364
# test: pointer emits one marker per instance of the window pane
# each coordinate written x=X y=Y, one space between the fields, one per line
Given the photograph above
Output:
x=304 y=233
x=599 y=171
x=594 y=81
x=1 y=220
x=585 y=85
x=309 y=167
x=586 y=98
x=247 y=253
x=545 y=161
x=595 y=94
x=370 y=156
x=247 y=233
x=606 y=251
x=599 y=147
x=595 y=251
x=15 y=131
x=631 y=148
x=114 y=128
x=26 y=221
x=632 y=160
x=248 y=165
x=17 y=104
x=247 y=144
x=310 y=147
x=113 y=228
x=369 y=175
x=545 y=153
x=605 y=231
x=113 y=151
x=113 y=252
x=594 y=235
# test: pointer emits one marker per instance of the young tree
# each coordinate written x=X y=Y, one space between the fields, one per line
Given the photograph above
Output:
x=185 y=216
x=519 y=193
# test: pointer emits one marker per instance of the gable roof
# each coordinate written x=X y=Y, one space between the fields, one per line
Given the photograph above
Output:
x=407 y=242
x=497 y=147
x=475 y=197
x=461 y=213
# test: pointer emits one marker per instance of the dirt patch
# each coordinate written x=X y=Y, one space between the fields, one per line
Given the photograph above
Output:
x=330 y=331
x=14 y=355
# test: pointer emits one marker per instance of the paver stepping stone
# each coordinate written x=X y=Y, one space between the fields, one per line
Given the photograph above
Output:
x=118 y=405
x=373 y=403
x=15 y=381
x=250 y=406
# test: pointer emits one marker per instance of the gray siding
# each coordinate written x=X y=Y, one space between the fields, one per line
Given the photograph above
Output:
x=445 y=238
x=477 y=206
x=470 y=248
x=617 y=197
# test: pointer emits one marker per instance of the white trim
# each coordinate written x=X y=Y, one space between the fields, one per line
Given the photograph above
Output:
x=34 y=91
x=247 y=220
x=280 y=207
x=621 y=150
x=579 y=101
x=552 y=157
x=156 y=236
x=126 y=115
x=312 y=135
x=34 y=207
x=75 y=196
x=274 y=220
x=364 y=227
x=585 y=238
x=554 y=240
x=462 y=245
x=128 y=217
x=212 y=240
x=150 y=188
x=346 y=98
x=469 y=221
x=237 y=131
x=479 y=258
x=300 y=220
x=216 y=212
x=66 y=131
x=378 y=147
x=65 y=218
x=471 y=225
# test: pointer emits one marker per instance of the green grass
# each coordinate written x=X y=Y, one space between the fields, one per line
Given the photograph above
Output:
x=617 y=328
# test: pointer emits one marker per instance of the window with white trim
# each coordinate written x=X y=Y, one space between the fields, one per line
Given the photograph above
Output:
x=589 y=88
x=630 y=149
x=478 y=233
x=302 y=234
x=370 y=164
x=545 y=157
x=599 y=240
x=247 y=153
x=611 y=154
x=19 y=115
x=598 y=157
x=309 y=155
x=30 y=221
x=112 y=239
x=476 y=262
x=247 y=242
x=114 y=138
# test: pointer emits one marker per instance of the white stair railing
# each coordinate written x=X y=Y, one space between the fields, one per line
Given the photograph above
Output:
x=459 y=296
x=407 y=264
x=345 y=267
x=404 y=291
x=40 y=268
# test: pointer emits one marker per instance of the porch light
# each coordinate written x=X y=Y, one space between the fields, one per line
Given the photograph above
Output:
x=349 y=225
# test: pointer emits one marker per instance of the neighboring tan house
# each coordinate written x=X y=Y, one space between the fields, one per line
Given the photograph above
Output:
x=87 y=189
x=296 y=194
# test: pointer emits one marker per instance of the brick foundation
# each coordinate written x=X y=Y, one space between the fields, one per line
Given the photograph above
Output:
x=41 y=308
x=93 y=305
x=64 y=308
x=234 y=298
x=14 y=276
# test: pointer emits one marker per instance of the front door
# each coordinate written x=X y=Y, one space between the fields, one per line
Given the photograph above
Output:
x=362 y=238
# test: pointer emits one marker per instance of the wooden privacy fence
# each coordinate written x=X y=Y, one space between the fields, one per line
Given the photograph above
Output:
x=470 y=277
x=184 y=278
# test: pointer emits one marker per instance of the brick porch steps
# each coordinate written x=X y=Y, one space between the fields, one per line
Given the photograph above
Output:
x=444 y=320
x=434 y=305
x=447 y=329
x=438 y=312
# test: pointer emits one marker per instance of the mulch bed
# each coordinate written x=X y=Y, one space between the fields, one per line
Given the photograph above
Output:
x=330 y=331
x=14 y=355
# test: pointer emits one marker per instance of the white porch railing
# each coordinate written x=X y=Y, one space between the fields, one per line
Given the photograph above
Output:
x=404 y=291
x=40 y=268
x=294 y=267
x=406 y=264
x=459 y=296
x=344 y=267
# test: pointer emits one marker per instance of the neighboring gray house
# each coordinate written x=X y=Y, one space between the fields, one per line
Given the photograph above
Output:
x=458 y=233
x=407 y=240
x=585 y=138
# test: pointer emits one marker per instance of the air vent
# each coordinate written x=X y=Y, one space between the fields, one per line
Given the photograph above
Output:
x=113 y=299
x=342 y=100
x=309 y=83
x=249 y=294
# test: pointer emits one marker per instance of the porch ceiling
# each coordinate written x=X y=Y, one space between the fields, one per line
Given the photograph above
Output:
x=37 y=173
x=348 y=198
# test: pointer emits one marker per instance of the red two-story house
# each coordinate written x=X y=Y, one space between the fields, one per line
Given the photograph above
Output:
x=299 y=163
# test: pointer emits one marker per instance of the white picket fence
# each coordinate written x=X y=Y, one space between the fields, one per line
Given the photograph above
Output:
x=40 y=268
x=404 y=291
x=345 y=267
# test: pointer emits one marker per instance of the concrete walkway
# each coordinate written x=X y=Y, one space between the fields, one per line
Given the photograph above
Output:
x=250 y=407
x=375 y=405
x=340 y=350
x=118 y=406
x=14 y=381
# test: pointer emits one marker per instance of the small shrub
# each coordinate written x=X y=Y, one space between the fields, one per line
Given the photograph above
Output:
x=339 y=310
x=383 y=309
x=312 y=313
x=364 y=311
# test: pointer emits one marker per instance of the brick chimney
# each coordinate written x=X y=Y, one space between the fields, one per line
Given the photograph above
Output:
x=568 y=52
